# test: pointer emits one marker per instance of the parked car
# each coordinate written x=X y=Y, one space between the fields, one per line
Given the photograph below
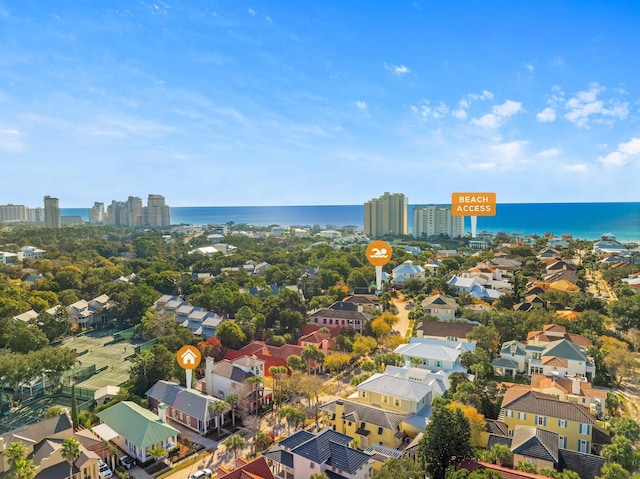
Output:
x=104 y=471
x=202 y=474
x=127 y=462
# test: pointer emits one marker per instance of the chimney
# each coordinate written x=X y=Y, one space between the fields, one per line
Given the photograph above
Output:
x=208 y=375
x=162 y=412
x=575 y=385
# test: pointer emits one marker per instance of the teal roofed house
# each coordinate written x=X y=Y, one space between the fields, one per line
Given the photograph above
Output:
x=136 y=430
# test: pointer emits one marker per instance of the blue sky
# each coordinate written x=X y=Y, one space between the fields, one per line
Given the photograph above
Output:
x=227 y=103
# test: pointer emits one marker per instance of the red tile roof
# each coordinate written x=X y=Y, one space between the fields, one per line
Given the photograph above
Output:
x=472 y=465
x=256 y=469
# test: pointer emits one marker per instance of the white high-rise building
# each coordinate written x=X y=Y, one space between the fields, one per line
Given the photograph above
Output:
x=97 y=214
x=387 y=215
x=11 y=213
x=431 y=221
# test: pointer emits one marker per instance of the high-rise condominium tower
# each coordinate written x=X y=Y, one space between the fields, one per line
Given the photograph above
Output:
x=386 y=215
x=51 y=212
x=156 y=213
x=429 y=221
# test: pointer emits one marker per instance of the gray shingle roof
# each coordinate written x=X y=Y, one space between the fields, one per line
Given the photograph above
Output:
x=533 y=442
x=586 y=465
x=357 y=412
x=192 y=403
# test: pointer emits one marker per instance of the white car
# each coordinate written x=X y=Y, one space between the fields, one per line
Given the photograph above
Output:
x=127 y=462
x=202 y=474
x=104 y=471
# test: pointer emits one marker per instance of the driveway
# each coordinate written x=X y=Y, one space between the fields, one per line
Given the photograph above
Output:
x=402 y=326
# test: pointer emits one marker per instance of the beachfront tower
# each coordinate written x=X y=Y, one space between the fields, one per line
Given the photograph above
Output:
x=386 y=216
x=51 y=212
x=432 y=221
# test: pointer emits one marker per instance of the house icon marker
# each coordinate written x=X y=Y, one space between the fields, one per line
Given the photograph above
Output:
x=188 y=357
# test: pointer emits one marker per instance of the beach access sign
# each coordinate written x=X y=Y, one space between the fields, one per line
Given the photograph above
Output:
x=378 y=253
x=473 y=204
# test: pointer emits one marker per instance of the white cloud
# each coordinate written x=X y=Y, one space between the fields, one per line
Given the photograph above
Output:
x=362 y=105
x=10 y=140
x=488 y=121
x=494 y=120
x=465 y=103
x=585 y=105
x=529 y=66
x=578 y=167
x=546 y=115
x=425 y=110
x=398 y=69
x=460 y=114
x=626 y=152
x=557 y=61
x=550 y=153
x=251 y=11
x=508 y=108
x=482 y=166
x=269 y=20
x=510 y=151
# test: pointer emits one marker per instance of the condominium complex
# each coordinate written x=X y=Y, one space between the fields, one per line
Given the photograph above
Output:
x=13 y=213
x=51 y=212
x=387 y=215
x=132 y=213
x=430 y=221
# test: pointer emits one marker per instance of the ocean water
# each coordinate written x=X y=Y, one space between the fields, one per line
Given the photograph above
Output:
x=582 y=220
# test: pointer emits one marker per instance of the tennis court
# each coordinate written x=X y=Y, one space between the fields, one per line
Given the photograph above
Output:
x=111 y=360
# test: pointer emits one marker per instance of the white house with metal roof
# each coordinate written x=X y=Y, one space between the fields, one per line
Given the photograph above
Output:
x=136 y=430
x=406 y=271
x=435 y=354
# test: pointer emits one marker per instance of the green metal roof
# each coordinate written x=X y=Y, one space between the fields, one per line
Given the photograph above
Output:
x=138 y=425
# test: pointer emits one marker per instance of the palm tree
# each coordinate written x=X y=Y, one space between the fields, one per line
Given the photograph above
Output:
x=319 y=475
x=15 y=452
x=277 y=373
x=157 y=451
x=254 y=383
x=312 y=355
x=233 y=400
x=234 y=444
x=218 y=408
x=70 y=452
x=23 y=469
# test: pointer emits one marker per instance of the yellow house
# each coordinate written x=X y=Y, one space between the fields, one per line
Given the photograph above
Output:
x=393 y=393
x=573 y=423
x=368 y=425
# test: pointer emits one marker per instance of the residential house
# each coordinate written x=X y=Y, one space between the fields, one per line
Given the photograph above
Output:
x=573 y=423
x=440 y=307
x=271 y=355
x=26 y=317
x=549 y=254
x=30 y=252
x=198 y=320
x=185 y=406
x=435 y=354
x=556 y=332
x=227 y=377
x=84 y=314
x=368 y=302
x=135 y=430
x=256 y=469
x=43 y=442
x=303 y=453
x=609 y=245
x=369 y=424
x=406 y=271
x=560 y=358
x=574 y=389
x=472 y=286
x=398 y=394
x=8 y=258
x=438 y=380
x=324 y=341
x=341 y=314
x=447 y=330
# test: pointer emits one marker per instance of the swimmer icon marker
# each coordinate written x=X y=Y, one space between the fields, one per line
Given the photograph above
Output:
x=378 y=254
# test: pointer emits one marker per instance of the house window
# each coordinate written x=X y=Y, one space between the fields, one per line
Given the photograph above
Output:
x=396 y=402
x=438 y=364
x=541 y=421
x=379 y=431
x=583 y=446
x=585 y=429
x=522 y=415
x=562 y=423
x=536 y=370
x=363 y=394
x=562 y=442
x=508 y=413
x=385 y=399
x=311 y=465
